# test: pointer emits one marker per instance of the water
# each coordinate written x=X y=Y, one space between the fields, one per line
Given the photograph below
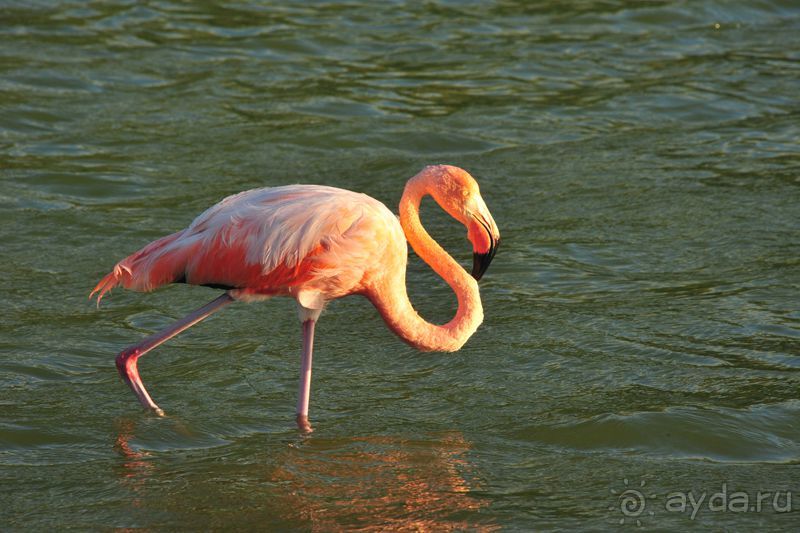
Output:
x=642 y=329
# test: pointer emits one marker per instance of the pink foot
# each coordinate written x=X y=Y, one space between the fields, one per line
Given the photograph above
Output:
x=303 y=424
x=126 y=366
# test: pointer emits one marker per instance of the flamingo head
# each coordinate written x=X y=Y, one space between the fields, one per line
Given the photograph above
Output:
x=458 y=194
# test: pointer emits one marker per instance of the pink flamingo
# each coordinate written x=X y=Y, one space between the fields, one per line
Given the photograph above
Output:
x=316 y=244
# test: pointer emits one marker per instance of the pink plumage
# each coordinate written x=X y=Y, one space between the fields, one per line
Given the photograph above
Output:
x=264 y=242
x=315 y=244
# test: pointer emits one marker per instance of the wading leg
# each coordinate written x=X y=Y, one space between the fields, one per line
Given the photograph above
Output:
x=126 y=360
x=305 y=376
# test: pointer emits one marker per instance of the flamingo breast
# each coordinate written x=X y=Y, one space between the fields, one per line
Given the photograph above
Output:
x=283 y=240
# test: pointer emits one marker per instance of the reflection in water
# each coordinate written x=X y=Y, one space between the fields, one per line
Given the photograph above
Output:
x=370 y=483
x=318 y=484
x=136 y=468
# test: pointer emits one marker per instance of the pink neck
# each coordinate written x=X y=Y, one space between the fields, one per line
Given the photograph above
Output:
x=391 y=298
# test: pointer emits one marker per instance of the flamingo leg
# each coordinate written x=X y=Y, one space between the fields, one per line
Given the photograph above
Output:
x=126 y=360
x=305 y=376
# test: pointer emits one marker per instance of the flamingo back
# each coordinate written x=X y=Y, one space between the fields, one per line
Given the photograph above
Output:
x=267 y=242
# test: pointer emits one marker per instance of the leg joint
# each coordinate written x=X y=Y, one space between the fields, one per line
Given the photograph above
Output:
x=124 y=355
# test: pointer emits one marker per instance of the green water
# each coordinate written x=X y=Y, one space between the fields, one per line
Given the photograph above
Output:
x=642 y=325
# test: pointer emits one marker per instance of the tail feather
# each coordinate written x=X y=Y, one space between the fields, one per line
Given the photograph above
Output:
x=111 y=280
x=159 y=263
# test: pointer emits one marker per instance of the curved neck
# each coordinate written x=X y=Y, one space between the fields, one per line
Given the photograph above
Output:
x=391 y=297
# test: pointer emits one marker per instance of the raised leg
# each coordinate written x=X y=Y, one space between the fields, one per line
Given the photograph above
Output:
x=305 y=376
x=126 y=360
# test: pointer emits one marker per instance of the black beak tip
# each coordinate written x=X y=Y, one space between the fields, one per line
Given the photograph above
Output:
x=477 y=266
x=481 y=262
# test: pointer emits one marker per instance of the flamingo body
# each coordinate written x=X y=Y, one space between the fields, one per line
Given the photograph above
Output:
x=315 y=244
x=310 y=242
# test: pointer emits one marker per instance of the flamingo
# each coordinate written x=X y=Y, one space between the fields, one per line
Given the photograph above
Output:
x=315 y=243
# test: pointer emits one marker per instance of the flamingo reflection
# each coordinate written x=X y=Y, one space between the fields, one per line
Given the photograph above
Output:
x=373 y=483
x=381 y=483
x=136 y=467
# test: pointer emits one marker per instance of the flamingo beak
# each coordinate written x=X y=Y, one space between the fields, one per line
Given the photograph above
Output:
x=482 y=260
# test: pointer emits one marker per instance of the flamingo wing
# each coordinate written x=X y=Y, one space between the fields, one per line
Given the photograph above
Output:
x=266 y=241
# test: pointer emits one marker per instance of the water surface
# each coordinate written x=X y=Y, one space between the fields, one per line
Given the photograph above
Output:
x=642 y=330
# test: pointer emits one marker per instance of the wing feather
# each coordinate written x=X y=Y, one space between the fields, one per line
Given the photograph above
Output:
x=280 y=235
